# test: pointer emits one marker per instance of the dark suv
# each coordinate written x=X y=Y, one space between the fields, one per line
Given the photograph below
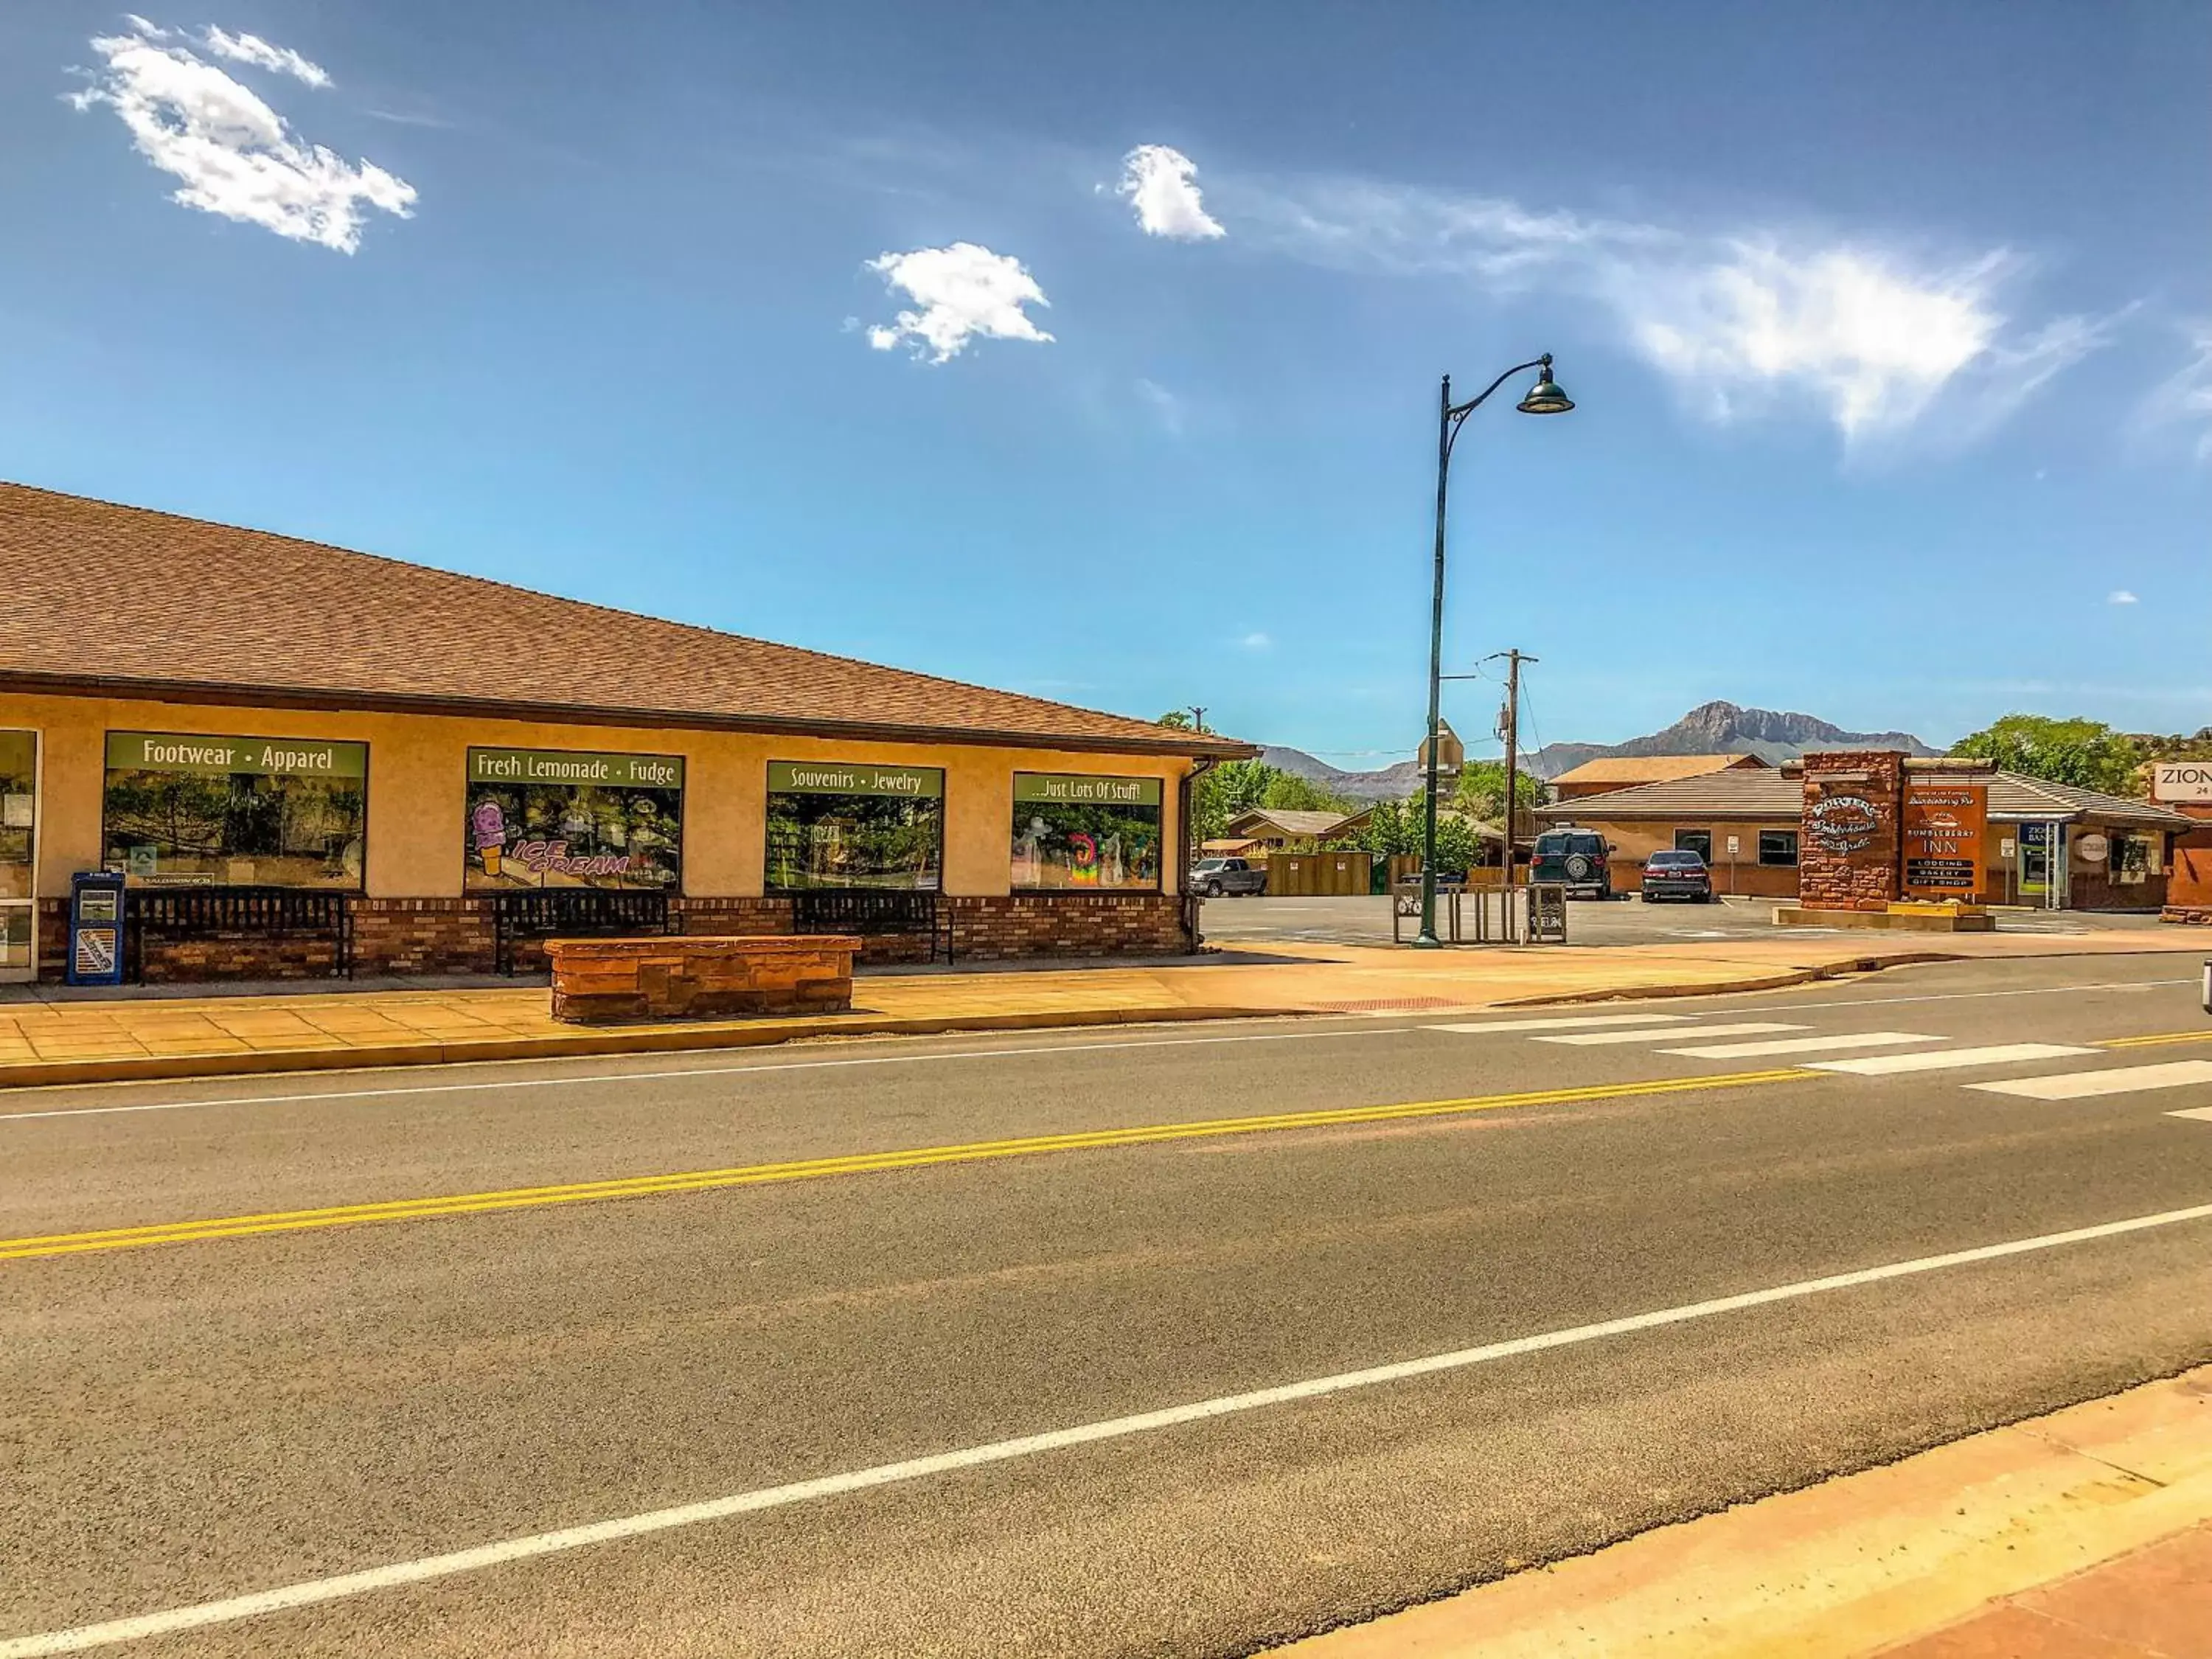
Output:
x=1575 y=859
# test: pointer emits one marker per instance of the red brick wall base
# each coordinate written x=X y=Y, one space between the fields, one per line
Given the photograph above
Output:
x=403 y=937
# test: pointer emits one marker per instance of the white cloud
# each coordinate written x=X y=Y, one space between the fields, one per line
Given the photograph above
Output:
x=963 y=292
x=1163 y=404
x=1870 y=336
x=1162 y=184
x=252 y=49
x=2184 y=398
x=2121 y=596
x=236 y=154
x=1256 y=641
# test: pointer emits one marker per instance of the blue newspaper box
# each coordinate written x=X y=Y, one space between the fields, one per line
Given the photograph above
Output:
x=95 y=929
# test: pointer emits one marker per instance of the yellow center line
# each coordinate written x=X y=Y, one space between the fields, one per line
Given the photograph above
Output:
x=700 y=1181
x=2158 y=1041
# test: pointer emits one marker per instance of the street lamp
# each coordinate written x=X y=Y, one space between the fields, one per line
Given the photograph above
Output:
x=1544 y=398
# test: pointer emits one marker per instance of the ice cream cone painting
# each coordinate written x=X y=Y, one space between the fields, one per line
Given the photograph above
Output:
x=488 y=826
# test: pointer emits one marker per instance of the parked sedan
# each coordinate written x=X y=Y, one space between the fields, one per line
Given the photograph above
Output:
x=1677 y=876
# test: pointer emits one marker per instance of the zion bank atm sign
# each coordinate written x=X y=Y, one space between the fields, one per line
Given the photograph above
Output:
x=2183 y=782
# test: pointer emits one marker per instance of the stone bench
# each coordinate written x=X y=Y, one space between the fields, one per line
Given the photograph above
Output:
x=679 y=977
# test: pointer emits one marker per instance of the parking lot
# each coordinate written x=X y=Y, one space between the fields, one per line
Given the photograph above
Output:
x=1627 y=920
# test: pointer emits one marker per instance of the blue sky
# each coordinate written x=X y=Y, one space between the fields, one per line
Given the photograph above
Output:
x=1890 y=326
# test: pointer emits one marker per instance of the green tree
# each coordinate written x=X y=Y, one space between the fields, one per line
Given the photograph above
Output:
x=2086 y=753
x=1482 y=791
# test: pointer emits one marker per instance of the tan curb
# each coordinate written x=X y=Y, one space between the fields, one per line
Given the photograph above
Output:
x=142 y=1069
x=1852 y=1566
x=1826 y=970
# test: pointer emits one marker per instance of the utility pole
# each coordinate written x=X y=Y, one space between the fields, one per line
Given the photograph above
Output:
x=1199 y=715
x=1512 y=736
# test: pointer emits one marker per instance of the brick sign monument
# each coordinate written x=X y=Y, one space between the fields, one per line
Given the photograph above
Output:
x=1877 y=829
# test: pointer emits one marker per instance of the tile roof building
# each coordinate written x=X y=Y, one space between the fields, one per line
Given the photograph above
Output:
x=1610 y=772
x=411 y=770
x=1746 y=823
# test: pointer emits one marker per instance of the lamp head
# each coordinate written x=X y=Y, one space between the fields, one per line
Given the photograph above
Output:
x=1544 y=397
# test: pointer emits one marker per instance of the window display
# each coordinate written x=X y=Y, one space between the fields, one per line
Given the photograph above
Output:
x=850 y=824
x=1077 y=832
x=541 y=818
x=198 y=810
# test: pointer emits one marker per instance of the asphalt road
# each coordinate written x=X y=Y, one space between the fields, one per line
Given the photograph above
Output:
x=1625 y=920
x=839 y=1259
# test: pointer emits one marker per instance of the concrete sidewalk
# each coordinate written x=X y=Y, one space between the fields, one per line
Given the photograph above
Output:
x=121 y=1039
x=2083 y=1535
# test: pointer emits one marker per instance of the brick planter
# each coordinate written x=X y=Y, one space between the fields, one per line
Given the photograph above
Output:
x=678 y=976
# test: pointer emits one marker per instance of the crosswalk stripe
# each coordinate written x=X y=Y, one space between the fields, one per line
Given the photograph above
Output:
x=1942 y=1059
x=2079 y=1085
x=1592 y=1039
x=1803 y=1045
x=2203 y=1112
x=1564 y=1023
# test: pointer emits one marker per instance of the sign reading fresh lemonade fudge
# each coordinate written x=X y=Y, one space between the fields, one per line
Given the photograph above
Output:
x=543 y=818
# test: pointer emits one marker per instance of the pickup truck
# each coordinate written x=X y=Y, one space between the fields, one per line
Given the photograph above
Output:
x=1212 y=877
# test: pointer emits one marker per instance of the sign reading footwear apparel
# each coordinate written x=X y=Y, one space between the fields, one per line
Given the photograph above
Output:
x=210 y=757
x=2181 y=781
x=520 y=766
x=849 y=778
x=1942 y=821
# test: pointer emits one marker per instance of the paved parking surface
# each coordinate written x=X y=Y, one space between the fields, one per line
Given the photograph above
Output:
x=1627 y=920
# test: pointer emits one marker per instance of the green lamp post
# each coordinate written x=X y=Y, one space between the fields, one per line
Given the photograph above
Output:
x=1544 y=397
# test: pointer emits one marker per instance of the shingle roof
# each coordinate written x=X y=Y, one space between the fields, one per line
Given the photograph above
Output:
x=185 y=609
x=1769 y=795
x=1654 y=768
x=1293 y=821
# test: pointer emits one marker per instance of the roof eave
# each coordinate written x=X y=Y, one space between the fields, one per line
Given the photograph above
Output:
x=339 y=701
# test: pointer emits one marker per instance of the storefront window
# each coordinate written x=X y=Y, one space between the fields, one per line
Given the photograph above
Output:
x=196 y=811
x=1699 y=841
x=540 y=819
x=2134 y=859
x=19 y=778
x=837 y=824
x=1778 y=847
x=1086 y=834
x=19 y=775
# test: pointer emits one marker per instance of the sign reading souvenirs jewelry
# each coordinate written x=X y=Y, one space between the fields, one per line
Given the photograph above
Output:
x=1075 y=832
x=552 y=818
x=1942 y=821
x=854 y=824
x=187 y=808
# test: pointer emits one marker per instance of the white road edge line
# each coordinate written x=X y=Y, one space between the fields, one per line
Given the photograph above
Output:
x=1559 y=1023
x=975 y=1054
x=1812 y=1045
x=694 y=1071
x=1599 y=1039
x=314 y=1590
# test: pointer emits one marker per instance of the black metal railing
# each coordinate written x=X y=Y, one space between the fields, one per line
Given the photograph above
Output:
x=574 y=913
x=874 y=913
x=201 y=912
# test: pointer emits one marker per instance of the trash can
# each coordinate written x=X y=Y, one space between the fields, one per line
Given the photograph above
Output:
x=95 y=929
